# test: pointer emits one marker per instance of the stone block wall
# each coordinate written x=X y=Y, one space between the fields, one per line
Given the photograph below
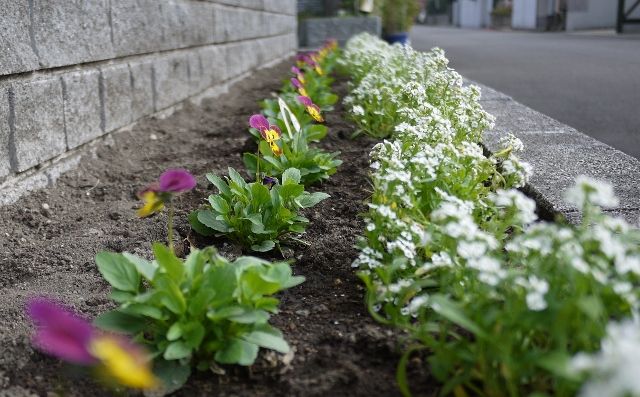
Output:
x=72 y=71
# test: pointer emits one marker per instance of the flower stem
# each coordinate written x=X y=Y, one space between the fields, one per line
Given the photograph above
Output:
x=170 y=227
x=258 y=164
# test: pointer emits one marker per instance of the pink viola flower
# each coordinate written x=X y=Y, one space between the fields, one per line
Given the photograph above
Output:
x=270 y=133
x=60 y=332
x=312 y=108
x=176 y=181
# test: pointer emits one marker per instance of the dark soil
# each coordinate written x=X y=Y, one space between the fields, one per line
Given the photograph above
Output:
x=49 y=240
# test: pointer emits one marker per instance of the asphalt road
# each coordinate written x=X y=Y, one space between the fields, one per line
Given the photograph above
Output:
x=590 y=81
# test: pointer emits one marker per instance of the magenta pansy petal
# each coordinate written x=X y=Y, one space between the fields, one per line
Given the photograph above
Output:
x=259 y=122
x=296 y=83
x=306 y=101
x=60 y=332
x=176 y=181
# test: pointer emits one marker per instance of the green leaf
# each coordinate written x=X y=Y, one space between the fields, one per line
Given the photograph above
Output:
x=259 y=194
x=170 y=295
x=121 y=296
x=194 y=264
x=119 y=322
x=193 y=334
x=208 y=219
x=222 y=186
x=267 y=340
x=237 y=351
x=177 y=350
x=239 y=314
x=237 y=178
x=219 y=204
x=264 y=246
x=169 y=262
x=144 y=267
x=172 y=374
x=311 y=199
x=118 y=271
x=174 y=332
x=557 y=362
x=198 y=226
x=291 y=191
x=291 y=176
x=140 y=309
x=454 y=313
x=315 y=132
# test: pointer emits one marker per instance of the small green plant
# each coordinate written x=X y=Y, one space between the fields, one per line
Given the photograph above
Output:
x=397 y=15
x=195 y=312
x=256 y=215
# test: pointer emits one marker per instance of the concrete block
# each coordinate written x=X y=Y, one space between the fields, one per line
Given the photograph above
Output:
x=82 y=108
x=235 y=60
x=18 y=54
x=288 y=7
x=71 y=32
x=116 y=96
x=214 y=64
x=5 y=129
x=39 y=121
x=220 y=22
x=488 y=93
x=187 y=24
x=136 y=27
x=172 y=80
x=142 y=96
x=514 y=117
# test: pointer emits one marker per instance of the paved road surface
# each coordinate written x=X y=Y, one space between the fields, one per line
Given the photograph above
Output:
x=590 y=81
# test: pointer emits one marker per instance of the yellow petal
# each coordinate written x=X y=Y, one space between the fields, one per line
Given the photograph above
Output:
x=319 y=70
x=127 y=368
x=303 y=92
x=315 y=114
x=275 y=148
x=152 y=204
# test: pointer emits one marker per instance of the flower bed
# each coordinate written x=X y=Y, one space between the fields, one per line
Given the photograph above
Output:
x=54 y=235
x=453 y=255
x=483 y=299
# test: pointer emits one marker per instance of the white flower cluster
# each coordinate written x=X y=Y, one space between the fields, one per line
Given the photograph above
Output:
x=614 y=370
x=446 y=220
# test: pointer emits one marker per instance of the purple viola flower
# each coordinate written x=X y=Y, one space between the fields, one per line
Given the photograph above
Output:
x=295 y=70
x=176 y=181
x=313 y=109
x=269 y=181
x=296 y=83
x=60 y=332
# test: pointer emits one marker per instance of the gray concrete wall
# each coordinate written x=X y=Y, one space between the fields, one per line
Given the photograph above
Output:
x=558 y=154
x=72 y=71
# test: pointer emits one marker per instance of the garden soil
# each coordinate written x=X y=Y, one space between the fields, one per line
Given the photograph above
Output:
x=48 y=241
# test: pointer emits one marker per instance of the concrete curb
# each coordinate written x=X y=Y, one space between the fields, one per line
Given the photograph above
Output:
x=558 y=154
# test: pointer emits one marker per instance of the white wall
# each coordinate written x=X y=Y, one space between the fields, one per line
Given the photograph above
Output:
x=593 y=14
x=524 y=14
x=471 y=13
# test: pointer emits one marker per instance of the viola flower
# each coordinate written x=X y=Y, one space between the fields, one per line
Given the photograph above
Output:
x=312 y=108
x=269 y=181
x=153 y=201
x=299 y=75
x=61 y=332
x=298 y=85
x=270 y=133
x=156 y=195
x=124 y=362
x=176 y=181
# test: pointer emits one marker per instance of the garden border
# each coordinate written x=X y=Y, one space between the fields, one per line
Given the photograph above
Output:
x=558 y=154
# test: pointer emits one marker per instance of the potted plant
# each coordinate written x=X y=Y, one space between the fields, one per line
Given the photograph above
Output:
x=397 y=18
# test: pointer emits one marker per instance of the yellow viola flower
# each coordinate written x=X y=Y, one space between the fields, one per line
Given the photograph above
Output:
x=123 y=362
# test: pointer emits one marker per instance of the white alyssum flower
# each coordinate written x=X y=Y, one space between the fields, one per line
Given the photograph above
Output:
x=589 y=190
x=613 y=371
